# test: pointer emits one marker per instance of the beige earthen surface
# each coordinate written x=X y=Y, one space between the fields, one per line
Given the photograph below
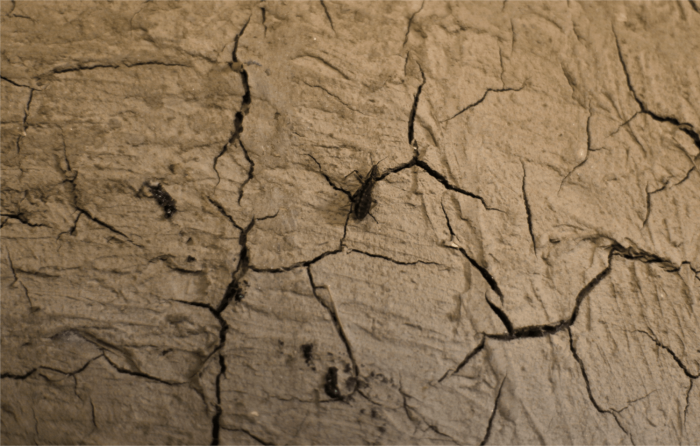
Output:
x=185 y=259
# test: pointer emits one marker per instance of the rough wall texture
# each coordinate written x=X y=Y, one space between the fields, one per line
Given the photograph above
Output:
x=187 y=256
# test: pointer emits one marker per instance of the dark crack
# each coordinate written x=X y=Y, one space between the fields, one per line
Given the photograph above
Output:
x=236 y=65
x=443 y=180
x=527 y=210
x=105 y=225
x=329 y=181
x=493 y=413
x=465 y=361
x=18 y=377
x=414 y=110
x=82 y=68
x=675 y=357
x=683 y=126
x=224 y=213
x=588 y=386
x=662 y=188
x=379 y=256
x=138 y=374
x=328 y=16
x=22 y=219
x=24 y=119
x=250 y=171
x=333 y=312
x=410 y=22
x=687 y=402
x=482 y=99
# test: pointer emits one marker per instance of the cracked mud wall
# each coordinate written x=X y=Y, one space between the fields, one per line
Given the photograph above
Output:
x=185 y=258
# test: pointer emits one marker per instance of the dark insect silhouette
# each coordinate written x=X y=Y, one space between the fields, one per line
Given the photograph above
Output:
x=362 y=198
x=331 y=385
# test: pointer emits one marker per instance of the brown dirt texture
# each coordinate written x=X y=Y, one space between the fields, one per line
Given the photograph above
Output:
x=357 y=222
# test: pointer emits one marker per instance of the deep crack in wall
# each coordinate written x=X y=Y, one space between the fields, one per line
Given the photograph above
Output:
x=186 y=256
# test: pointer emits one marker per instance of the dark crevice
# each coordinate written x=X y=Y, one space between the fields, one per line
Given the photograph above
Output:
x=328 y=16
x=670 y=352
x=105 y=225
x=81 y=68
x=501 y=315
x=466 y=360
x=694 y=4
x=584 y=374
x=299 y=264
x=14 y=83
x=649 y=194
x=687 y=402
x=379 y=256
x=23 y=219
x=163 y=64
x=482 y=99
x=410 y=22
x=329 y=181
x=493 y=413
x=250 y=171
x=527 y=210
x=245 y=107
x=414 y=110
x=412 y=415
x=588 y=386
x=683 y=126
x=484 y=273
x=19 y=377
x=139 y=374
x=441 y=178
x=234 y=292
x=24 y=119
x=537 y=331
x=223 y=212
x=332 y=310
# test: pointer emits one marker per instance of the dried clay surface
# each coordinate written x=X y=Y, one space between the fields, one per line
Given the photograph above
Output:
x=350 y=222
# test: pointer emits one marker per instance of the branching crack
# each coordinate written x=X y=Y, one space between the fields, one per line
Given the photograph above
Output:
x=482 y=99
x=333 y=311
x=672 y=353
x=139 y=374
x=103 y=224
x=683 y=126
x=410 y=22
x=238 y=118
x=465 y=361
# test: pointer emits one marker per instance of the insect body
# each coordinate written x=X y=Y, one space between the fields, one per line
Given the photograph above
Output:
x=362 y=198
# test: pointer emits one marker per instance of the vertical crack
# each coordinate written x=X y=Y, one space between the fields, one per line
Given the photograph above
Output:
x=588 y=385
x=493 y=413
x=24 y=119
x=245 y=107
x=527 y=210
x=414 y=109
x=410 y=22
x=328 y=16
x=233 y=292
x=333 y=311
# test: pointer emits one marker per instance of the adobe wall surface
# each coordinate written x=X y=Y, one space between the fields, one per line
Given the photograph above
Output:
x=196 y=247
